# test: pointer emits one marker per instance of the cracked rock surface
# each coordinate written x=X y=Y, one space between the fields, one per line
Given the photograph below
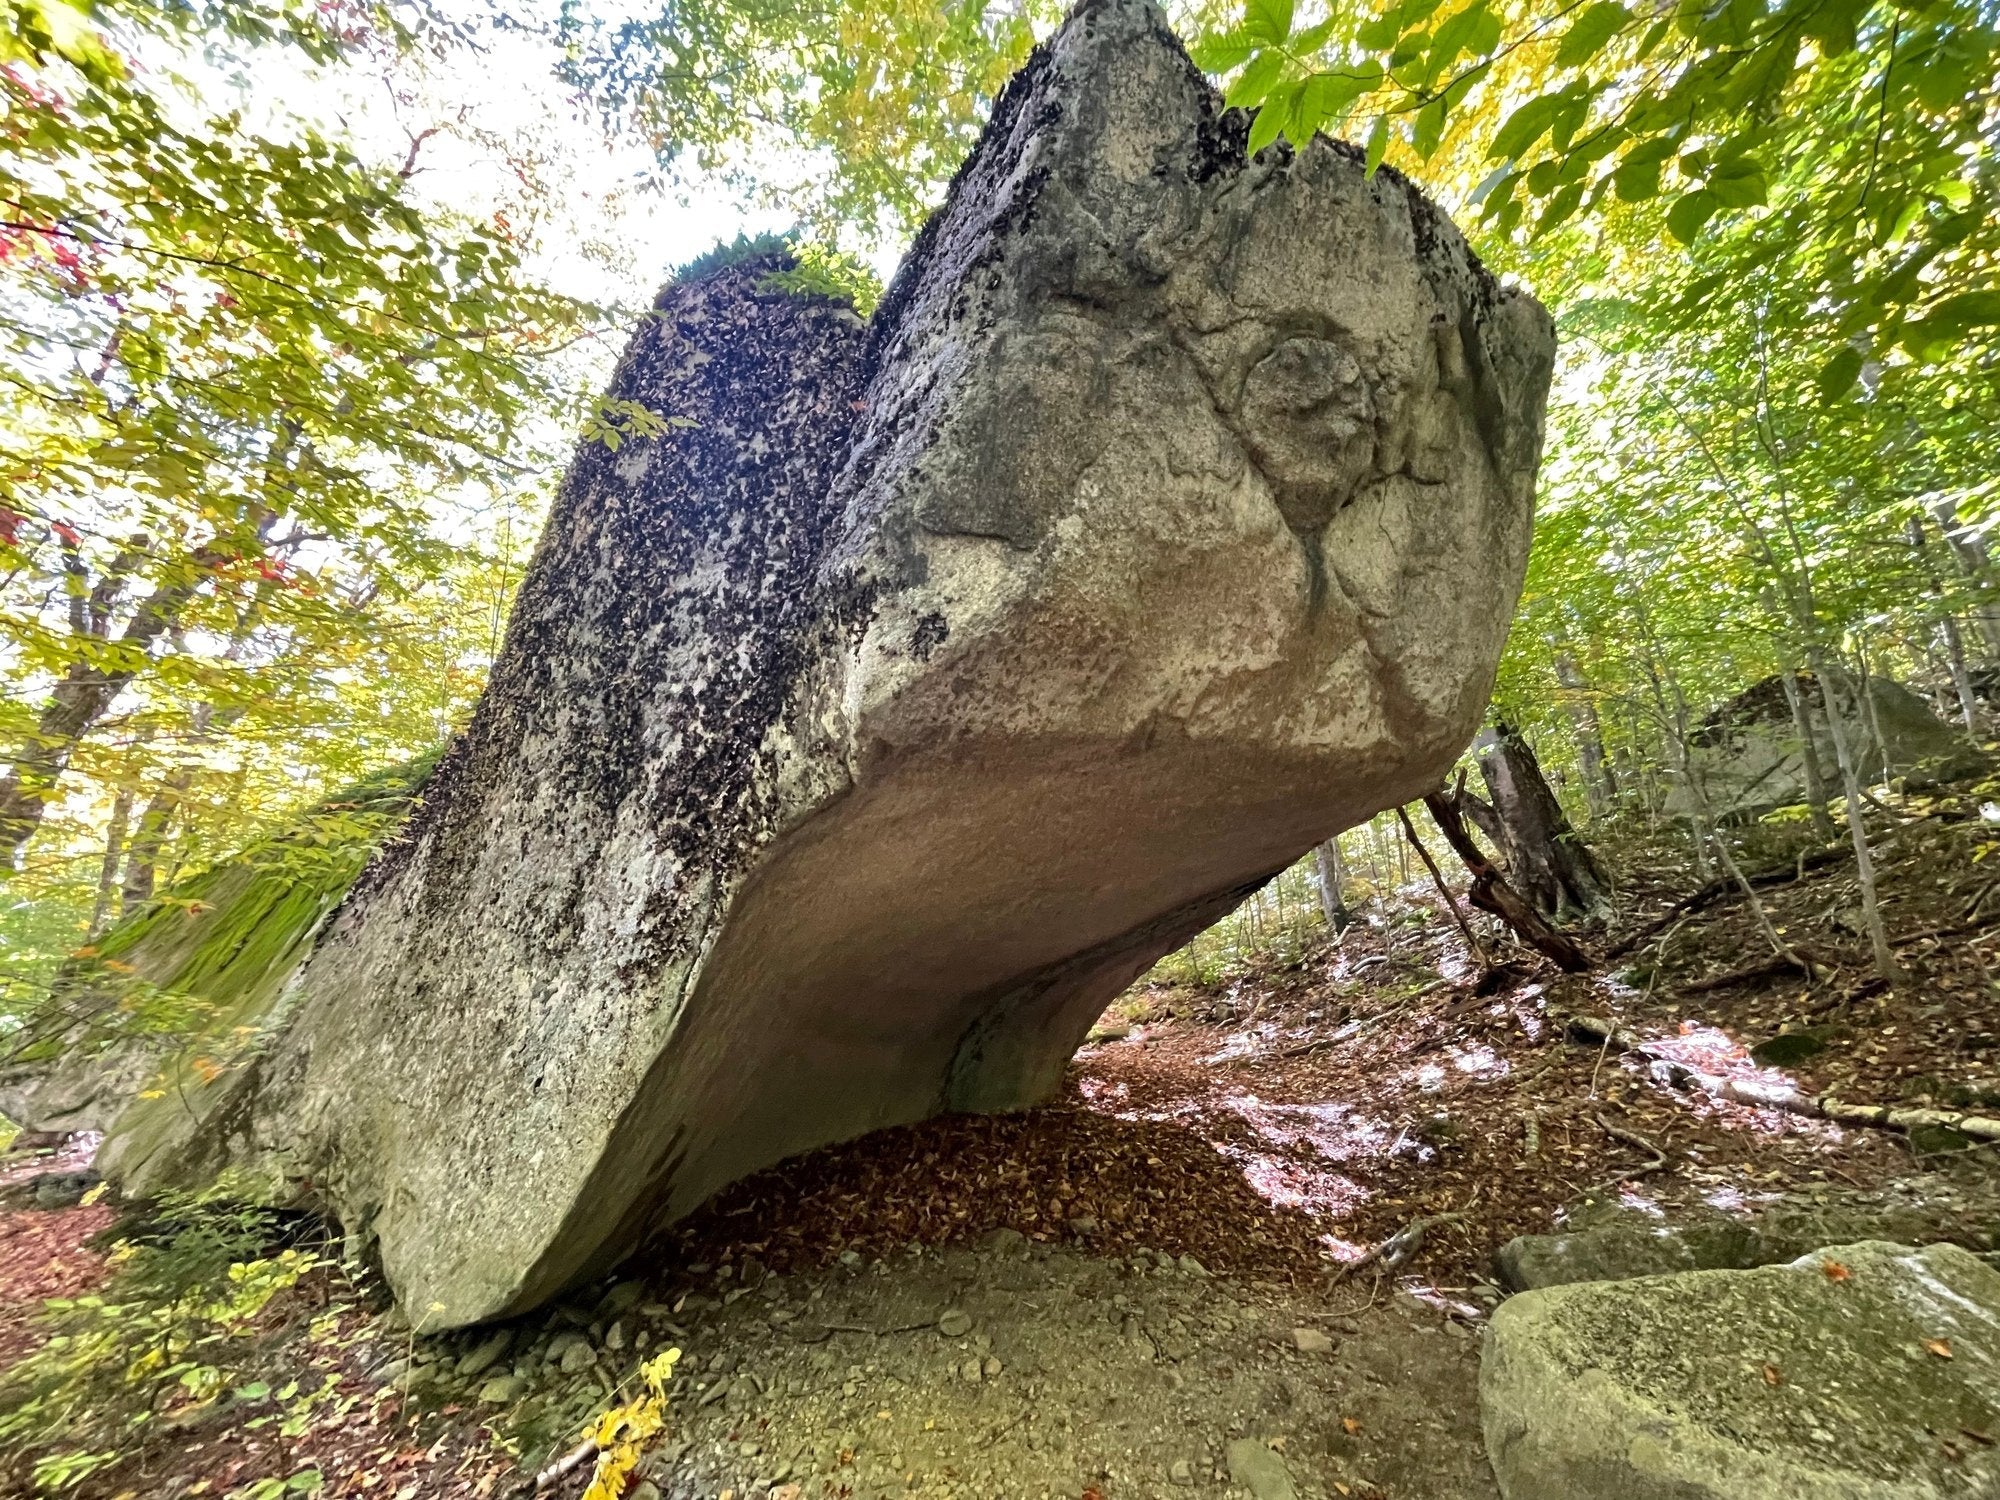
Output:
x=854 y=744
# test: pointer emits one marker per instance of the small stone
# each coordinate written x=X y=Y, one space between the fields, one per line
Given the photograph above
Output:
x=955 y=1323
x=622 y=1298
x=1007 y=1242
x=991 y=1367
x=1192 y=1267
x=578 y=1357
x=851 y=1259
x=1083 y=1224
x=1181 y=1472
x=1311 y=1341
x=714 y=1393
x=501 y=1390
x=1260 y=1471
x=614 y=1336
x=485 y=1354
x=645 y=1489
x=970 y=1370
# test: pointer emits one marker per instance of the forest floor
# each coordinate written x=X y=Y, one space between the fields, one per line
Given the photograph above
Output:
x=1159 y=1284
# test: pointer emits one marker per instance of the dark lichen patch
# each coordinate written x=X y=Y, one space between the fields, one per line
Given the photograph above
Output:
x=670 y=611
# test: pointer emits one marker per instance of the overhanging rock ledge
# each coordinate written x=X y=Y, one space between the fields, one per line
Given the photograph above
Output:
x=851 y=747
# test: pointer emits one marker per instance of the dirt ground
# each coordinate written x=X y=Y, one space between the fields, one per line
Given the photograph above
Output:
x=1141 y=1287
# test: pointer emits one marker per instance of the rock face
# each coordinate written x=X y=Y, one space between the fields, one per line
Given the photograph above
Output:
x=1857 y=1384
x=854 y=744
x=1750 y=755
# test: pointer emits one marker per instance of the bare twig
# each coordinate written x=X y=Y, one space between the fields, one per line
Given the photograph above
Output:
x=1400 y=1248
x=1409 y=832
x=583 y=1453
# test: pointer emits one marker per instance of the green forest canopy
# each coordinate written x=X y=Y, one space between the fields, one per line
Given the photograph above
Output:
x=276 y=429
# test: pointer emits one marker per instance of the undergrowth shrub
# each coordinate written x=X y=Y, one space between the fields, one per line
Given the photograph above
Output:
x=175 y=1335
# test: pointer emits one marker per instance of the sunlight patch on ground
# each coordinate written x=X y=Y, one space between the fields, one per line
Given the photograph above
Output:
x=1480 y=1061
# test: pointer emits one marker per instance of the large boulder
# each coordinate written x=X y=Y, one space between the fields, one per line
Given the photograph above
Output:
x=1960 y=1204
x=1865 y=1372
x=1750 y=756
x=854 y=742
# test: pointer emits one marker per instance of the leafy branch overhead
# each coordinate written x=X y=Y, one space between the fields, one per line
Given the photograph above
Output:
x=1846 y=136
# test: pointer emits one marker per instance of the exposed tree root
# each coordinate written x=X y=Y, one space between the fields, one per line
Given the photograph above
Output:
x=1774 y=1096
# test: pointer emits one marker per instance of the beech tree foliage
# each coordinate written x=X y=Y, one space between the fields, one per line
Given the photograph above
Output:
x=275 y=430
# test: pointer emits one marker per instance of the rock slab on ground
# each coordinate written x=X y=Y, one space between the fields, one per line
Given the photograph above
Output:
x=1862 y=1372
x=1961 y=1207
x=857 y=739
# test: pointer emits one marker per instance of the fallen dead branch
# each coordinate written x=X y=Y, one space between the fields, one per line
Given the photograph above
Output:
x=1354 y=1028
x=1400 y=1248
x=1631 y=1138
x=1490 y=891
x=1758 y=1095
x=1715 y=890
x=1774 y=968
x=583 y=1453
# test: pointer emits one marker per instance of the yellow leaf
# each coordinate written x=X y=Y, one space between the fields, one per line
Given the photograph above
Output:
x=1940 y=1347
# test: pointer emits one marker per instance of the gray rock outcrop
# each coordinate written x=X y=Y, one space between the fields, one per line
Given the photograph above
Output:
x=854 y=743
x=1960 y=1206
x=1751 y=757
x=1866 y=1382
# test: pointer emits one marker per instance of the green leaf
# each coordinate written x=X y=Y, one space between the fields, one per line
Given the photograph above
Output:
x=1268 y=125
x=1223 y=51
x=1738 y=183
x=1382 y=33
x=1429 y=128
x=1636 y=181
x=1524 y=127
x=1253 y=85
x=1268 y=21
x=1327 y=97
x=1378 y=143
x=1589 y=32
x=1689 y=212
x=1560 y=208
x=1957 y=315
x=1456 y=35
x=1838 y=374
x=1835 y=24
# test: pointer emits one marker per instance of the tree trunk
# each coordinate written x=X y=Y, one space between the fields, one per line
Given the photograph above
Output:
x=1332 y=872
x=107 y=872
x=1490 y=891
x=142 y=864
x=1546 y=860
x=1886 y=967
x=1816 y=797
x=79 y=700
x=1600 y=785
x=1954 y=641
x=1969 y=551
